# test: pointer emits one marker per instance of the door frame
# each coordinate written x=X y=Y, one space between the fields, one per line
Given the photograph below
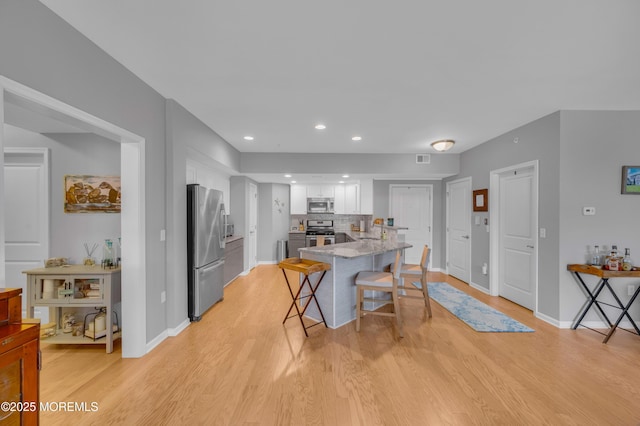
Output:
x=420 y=185
x=495 y=221
x=132 y=219
x=447 y=221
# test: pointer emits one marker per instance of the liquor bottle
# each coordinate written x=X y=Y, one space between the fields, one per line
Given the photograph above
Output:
x=613 y=261
x=595 y=259
x=627 y=263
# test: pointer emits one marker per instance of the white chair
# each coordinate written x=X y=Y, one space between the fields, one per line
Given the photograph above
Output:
x=414 y=273
x=379 y=281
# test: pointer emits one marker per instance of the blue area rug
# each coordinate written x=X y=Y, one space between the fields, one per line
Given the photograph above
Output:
x=474 y=313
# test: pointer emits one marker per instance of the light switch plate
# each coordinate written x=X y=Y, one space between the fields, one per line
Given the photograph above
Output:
x=588 y=211
x=543 y=232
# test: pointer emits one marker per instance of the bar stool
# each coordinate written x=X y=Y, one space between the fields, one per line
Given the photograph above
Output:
x=306 y=267
x=379 y=281
x=413 y=272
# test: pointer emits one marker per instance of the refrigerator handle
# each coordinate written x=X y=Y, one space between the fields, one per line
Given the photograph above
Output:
x=223 y=231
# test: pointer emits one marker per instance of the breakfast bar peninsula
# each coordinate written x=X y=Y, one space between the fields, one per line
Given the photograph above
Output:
x=336 y=293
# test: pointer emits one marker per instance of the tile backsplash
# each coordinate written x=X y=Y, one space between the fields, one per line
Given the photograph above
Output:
x=341 y=222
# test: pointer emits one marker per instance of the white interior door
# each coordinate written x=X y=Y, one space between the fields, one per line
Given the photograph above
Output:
x=253 y=224
x=26 y=215
x=411 y=207
x=517 y=234
x=459 y=229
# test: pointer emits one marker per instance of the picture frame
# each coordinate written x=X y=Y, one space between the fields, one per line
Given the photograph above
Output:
x=630 y=181
x=481 y=200
x=91 y=194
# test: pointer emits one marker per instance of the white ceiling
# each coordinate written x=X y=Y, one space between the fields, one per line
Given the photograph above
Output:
x=401 y=74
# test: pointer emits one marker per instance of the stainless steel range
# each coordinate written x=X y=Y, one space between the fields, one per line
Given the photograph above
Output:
x=323 y=228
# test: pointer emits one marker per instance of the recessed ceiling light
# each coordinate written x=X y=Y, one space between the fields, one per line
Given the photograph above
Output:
x=356 y=138
x=345 y=176
x=341 y=181
x=248 y=138
x=293 y=181
x=287 y=176
x=320 y=127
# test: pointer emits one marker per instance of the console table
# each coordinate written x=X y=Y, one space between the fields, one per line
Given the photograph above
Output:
x=578 y=270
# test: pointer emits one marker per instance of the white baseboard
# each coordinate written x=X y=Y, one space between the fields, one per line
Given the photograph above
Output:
x=480 y=288
x=552 y=321
x=267 y=262
x=156 y=341
x=179 y=329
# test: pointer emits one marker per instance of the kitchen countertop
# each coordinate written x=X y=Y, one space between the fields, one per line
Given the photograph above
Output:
x=365 y=247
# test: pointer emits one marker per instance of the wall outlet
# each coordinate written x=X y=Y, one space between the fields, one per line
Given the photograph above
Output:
x=588 y=211
x=163 y=297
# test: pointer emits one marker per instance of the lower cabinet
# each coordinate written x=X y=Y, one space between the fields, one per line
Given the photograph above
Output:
x=233 y=259
x=19 y=370
x=297 y=240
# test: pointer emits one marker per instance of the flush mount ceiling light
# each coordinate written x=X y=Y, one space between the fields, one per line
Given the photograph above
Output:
x=320 y=127
x=356 y=138
x=345 y=176
x=287 y=176
x=443 y=145
x=248 y=138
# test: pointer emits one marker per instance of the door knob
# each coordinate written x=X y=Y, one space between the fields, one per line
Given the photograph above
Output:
x=529 y=246
x=466 y=237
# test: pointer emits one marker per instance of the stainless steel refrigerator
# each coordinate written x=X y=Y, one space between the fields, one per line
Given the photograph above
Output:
x=205 y=248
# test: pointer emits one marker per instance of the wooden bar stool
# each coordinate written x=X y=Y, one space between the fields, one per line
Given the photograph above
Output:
x=412 y=273
x=379 y=281
x=305 y=267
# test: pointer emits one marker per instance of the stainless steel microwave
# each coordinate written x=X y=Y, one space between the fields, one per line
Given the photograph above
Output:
x=319 y=205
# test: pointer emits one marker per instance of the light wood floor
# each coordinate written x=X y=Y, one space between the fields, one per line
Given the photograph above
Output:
x=240 y=365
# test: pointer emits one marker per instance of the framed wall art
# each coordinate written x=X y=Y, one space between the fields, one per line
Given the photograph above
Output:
x=481 y=200
x=631 y=180
x=91 y=194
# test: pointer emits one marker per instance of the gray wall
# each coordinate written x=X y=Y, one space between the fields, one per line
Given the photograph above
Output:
x=273 y=219
x=538 y=140
x=73 y=154
x=595 y=146
x=187 y=137
x=441 y=164
x=41 y=51
x=381 y=209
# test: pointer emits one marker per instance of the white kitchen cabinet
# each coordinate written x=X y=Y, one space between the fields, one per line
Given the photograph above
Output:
x=320 y=191
x=352 y=198
x=366 y=196
x=298 y=199
x=339 y=206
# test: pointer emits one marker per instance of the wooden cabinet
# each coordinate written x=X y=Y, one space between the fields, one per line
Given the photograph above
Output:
x=297 y=240
x=298 y=199
x=19 y=365
x=233 y=259
x=10 y=306
x=76 y=286
x=320 y=191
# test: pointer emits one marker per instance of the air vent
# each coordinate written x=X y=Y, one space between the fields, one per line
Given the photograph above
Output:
x=423 y=158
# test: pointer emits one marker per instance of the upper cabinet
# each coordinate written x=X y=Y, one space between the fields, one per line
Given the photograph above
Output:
x=320 y=191
x=347 y=199
x=350 y=198
x=366 y=196
x=298 y=199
